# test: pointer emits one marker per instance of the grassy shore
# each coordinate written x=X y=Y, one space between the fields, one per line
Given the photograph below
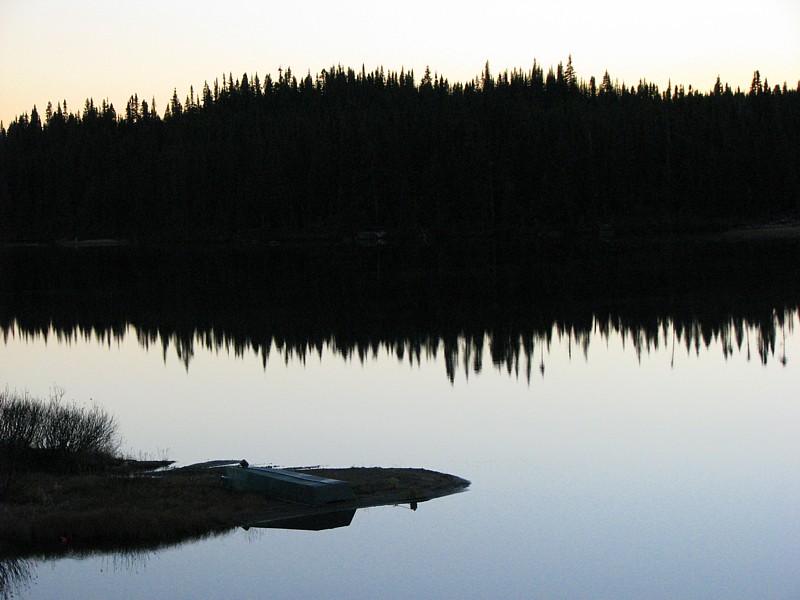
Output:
x=63 y=487
x=128 y=505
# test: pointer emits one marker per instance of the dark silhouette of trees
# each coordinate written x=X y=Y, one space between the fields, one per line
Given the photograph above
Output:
x=516 y=154
x=459 y=300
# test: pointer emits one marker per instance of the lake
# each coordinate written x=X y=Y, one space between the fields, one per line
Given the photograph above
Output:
x=627 y=413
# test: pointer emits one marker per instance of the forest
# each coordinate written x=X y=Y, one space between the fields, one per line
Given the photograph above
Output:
x=518 y=155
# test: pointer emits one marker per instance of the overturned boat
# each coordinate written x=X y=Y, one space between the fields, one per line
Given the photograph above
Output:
x=291 y=486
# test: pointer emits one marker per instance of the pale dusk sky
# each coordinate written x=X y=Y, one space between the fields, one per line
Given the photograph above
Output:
x=52 y=50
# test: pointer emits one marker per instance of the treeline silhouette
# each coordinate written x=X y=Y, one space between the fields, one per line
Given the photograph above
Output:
x=518 y=154
x=454 y=303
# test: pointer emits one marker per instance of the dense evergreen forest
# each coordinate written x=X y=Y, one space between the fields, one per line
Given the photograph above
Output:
x=518 y=154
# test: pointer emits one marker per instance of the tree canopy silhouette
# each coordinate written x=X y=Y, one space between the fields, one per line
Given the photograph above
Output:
x=519 y=153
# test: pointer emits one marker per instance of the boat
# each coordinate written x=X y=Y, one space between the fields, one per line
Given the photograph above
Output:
x=291 y=486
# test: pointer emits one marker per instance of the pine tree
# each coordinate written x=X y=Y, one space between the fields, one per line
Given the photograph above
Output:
x=132 y=113
x=606 y=87
x=175 y=107
x=755 y=85
x=35 y=122
x=569 y=75
x=426 y=79
x=486 y=78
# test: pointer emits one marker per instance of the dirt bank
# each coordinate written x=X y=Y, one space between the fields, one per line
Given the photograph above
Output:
x=136 y=507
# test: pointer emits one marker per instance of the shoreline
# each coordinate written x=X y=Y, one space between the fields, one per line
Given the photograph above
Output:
x=138 y=507
x=784 y=229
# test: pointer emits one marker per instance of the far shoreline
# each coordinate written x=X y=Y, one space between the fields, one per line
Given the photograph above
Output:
x=782 y=229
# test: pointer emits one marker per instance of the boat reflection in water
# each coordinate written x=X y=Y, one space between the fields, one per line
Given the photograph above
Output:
x=313 y=522
x=340 y=514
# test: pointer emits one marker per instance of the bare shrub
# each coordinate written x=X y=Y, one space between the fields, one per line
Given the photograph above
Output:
x=86 y=430
x=20 y=420
x=28 y=423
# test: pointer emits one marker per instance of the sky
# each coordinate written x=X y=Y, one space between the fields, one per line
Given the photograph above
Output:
x=52 y=50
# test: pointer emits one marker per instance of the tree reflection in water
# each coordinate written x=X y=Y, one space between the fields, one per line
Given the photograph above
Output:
x=16 y=575
x=413 y=303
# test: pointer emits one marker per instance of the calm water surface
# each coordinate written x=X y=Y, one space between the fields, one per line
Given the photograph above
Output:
x=607 y=467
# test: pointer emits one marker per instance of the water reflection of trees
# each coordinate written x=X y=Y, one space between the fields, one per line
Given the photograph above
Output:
x=16 y=575
x=17 y=572
x=507 y=304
